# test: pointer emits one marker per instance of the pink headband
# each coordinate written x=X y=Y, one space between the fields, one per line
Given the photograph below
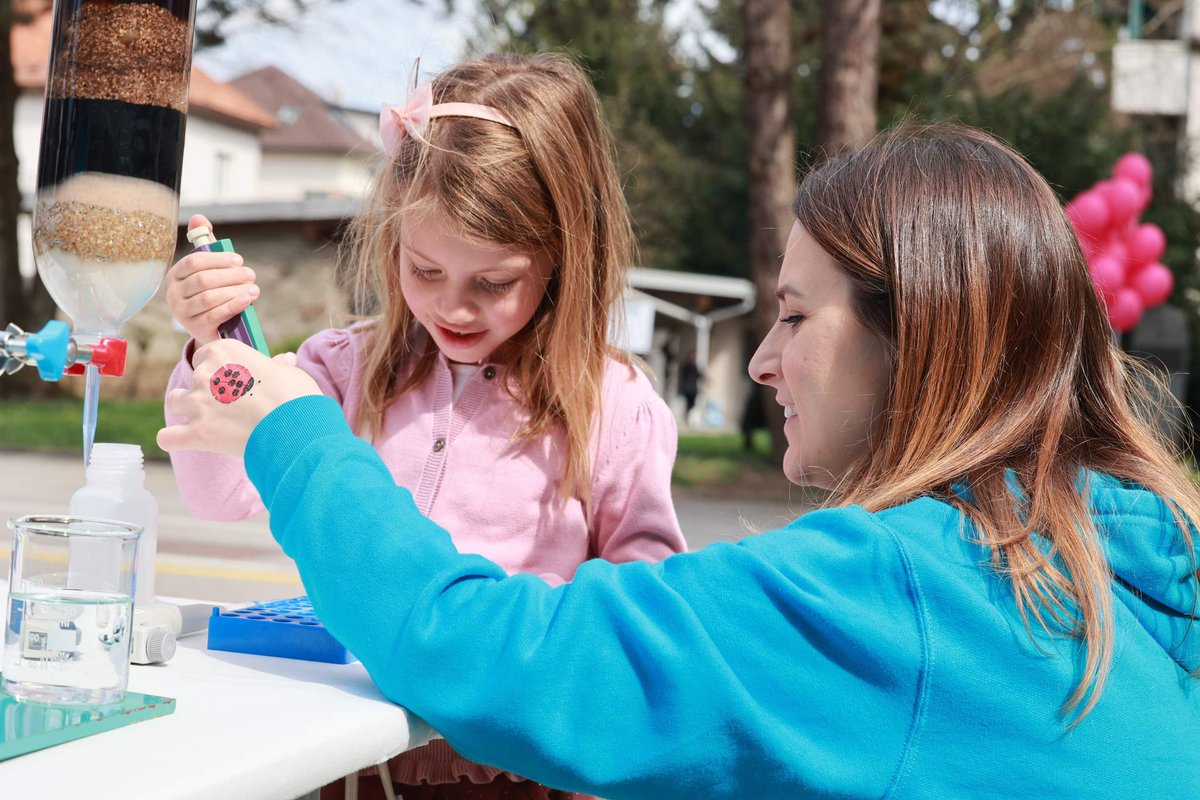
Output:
x=396 y=122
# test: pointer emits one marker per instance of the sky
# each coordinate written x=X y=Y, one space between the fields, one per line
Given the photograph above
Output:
x=358 y=53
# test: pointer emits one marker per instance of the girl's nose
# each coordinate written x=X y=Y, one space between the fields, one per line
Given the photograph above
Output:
x=457 y=307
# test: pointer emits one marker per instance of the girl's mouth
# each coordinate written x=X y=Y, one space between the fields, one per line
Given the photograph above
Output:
x=457 y=339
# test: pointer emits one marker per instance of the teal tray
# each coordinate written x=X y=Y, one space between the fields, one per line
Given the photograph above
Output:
x=28 y=726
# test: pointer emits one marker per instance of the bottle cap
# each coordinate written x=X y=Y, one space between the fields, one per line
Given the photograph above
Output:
x=200 y=235
x=160 y=645
x=152 y=644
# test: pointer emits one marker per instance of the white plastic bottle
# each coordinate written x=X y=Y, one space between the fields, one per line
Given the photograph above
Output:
x=116 y=489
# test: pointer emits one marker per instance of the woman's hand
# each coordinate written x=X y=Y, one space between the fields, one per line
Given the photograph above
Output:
x=206 y=289
x=235 y=386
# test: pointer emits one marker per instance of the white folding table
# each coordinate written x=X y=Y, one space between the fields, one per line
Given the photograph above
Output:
x=244 y=726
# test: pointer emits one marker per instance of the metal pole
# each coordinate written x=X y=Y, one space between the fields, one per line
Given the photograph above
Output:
x=1136 y=8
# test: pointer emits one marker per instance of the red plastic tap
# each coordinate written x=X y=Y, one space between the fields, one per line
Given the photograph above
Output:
x=108 y=355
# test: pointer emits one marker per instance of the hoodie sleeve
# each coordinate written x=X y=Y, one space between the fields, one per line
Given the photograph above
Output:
x=789 y=663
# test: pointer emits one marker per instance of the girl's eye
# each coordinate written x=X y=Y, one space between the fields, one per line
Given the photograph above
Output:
x=495 y=288
x=423 y=274
x=792 y=320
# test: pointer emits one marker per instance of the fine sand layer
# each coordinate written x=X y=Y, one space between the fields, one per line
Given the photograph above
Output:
x=102 y=244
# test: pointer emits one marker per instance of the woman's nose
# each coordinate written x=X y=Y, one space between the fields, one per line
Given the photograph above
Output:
x=764 y=366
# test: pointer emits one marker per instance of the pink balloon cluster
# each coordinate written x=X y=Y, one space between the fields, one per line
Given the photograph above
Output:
x=1122 y=254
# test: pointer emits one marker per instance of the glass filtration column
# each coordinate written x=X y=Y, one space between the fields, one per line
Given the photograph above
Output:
x=106 y=214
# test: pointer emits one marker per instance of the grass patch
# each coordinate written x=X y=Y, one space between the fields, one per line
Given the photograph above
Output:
x=720 y=461
x=56 y=426
x=729 y=446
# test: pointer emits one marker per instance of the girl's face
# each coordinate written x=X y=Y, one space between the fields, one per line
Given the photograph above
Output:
x=471 y=296
x=829 y=372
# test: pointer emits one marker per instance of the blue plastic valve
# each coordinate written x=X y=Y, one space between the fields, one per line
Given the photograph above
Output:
x=48 y=349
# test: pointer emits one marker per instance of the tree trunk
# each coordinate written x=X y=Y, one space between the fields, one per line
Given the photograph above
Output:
x=850 y=31
x=26 y=303
x=772 y=170
x=11 y=286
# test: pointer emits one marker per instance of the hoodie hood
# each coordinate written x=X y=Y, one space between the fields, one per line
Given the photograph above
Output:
x=1154 y=573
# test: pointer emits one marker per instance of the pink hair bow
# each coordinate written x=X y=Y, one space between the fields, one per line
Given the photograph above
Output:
x=412 y=119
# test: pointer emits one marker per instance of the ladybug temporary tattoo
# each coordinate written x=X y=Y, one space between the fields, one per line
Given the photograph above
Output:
x=231 y=382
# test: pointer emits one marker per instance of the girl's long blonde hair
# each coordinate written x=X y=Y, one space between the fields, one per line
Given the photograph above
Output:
x=1006 y=380
x=548 y=186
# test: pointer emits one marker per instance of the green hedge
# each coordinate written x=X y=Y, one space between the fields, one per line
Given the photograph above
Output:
x=54 y=426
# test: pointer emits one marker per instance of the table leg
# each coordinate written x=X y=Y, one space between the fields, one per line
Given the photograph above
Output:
x=385 y=777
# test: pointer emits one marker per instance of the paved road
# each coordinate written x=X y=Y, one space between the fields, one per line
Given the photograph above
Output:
x=237 y=562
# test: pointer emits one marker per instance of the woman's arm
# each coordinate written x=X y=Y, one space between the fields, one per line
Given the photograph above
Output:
x=787 y=664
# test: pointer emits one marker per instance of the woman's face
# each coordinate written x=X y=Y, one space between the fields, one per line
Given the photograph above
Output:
x=471 y=296
x=829 y=372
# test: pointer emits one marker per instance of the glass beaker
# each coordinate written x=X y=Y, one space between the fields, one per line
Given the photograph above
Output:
x=70 y=609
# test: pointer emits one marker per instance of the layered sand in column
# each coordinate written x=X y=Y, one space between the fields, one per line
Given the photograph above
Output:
x=103 y=243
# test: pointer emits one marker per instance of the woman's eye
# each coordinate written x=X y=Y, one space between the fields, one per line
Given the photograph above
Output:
x=793 y=319
x=423 y=274
x=495 y=288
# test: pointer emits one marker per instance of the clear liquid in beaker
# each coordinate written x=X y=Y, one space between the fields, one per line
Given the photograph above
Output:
x=67 y=646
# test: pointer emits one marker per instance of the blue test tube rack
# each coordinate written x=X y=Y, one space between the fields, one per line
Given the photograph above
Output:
x=281 y=628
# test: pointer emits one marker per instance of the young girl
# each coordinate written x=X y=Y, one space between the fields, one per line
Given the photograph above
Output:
x=495 y=245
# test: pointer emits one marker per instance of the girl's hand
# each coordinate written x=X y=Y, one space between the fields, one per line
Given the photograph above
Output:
x=235 y=387
x=206 y=289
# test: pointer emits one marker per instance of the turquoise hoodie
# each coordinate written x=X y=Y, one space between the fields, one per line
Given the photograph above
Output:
x=849 y=655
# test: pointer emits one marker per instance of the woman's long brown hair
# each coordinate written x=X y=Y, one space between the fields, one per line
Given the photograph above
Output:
x=1006 y=379
x=548 y=186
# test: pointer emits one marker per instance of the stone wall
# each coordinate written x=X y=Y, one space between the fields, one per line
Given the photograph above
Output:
x=296 y=268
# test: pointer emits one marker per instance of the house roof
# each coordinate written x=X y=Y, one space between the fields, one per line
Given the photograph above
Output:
x=206 y=97
x=306 y=122
x=314 y=209
x=318 y=209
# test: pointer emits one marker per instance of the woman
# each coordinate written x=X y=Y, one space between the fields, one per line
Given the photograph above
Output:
x=999 y=600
